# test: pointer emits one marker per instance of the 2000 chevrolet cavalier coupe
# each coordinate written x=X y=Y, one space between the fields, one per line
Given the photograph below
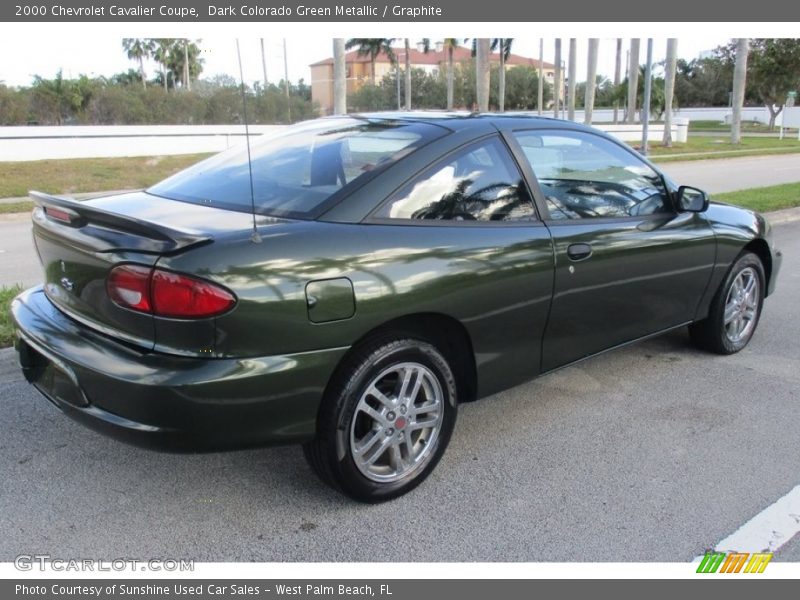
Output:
x=359 y=277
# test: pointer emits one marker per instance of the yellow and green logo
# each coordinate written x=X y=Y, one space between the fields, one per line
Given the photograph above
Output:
x=734 y=562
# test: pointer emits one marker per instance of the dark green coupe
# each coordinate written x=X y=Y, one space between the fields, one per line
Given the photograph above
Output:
x=353 y=279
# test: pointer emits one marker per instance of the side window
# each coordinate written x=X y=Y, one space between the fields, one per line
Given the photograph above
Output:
x=586 y=176
x=479 y=183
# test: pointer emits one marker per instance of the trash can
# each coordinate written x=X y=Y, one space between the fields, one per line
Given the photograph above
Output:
x=681 y=130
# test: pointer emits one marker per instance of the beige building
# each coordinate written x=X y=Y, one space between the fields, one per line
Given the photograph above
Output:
x=358 y=69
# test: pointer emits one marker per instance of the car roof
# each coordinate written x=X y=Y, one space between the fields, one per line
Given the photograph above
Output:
x=464 y=120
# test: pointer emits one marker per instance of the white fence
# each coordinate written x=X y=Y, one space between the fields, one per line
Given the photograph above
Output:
x=41 y=143
x=722 y=114
x=73 y=141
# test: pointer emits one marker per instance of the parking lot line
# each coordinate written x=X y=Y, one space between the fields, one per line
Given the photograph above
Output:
x=768 y=530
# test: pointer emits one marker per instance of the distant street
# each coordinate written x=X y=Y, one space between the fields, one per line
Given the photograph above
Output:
x=731 y=174
x=19 y=264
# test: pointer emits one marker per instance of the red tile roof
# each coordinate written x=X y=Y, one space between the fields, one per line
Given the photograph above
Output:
x=460 y=54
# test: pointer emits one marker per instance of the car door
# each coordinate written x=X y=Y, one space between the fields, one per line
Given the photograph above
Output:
x=462 y=238
x=626 y=263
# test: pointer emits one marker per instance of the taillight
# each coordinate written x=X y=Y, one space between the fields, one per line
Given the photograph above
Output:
x=167 y=294
x=129 y=286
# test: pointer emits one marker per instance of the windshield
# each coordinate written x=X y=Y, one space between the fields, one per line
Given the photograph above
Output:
x=297 y=170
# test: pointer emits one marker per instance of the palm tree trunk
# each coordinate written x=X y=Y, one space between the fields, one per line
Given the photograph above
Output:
x=573 y=57
x=739 y=82
x=669 y=88
x=617 y=75
x=557 y=80
x=450 y=77
x=633 y=80
x=186 y=78
x=482 y=73
x=408 y=74
x=264 y=66
x=591 y=81
x=540 y=82
x=501 y=93
x=141 y=72
x=339 y=80
x=164 y=75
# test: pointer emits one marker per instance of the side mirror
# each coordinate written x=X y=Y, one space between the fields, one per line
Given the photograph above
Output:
x=691 y=199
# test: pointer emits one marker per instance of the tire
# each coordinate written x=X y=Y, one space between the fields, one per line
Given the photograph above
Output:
x=714 y=333
x=363 y=418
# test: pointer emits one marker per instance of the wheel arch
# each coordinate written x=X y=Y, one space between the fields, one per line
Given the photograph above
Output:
x=446 y=333
x=760 y=248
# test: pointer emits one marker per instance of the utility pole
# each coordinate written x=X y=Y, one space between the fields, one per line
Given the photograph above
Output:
x=540 y=91
x=286 y=81
x=264 y=65
x=648 y=88
x=557 y=78
x=573 y=58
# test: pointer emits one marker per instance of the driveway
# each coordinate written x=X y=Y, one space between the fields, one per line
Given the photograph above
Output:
x=655 y=452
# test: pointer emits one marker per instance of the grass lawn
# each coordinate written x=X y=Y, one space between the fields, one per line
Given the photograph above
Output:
x=6 y=332
x=764 y=199
x=15 y=207
x=747 y=127
x=88 y=174
x=699 y=148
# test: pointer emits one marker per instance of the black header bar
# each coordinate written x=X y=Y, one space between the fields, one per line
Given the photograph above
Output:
x=606 y=11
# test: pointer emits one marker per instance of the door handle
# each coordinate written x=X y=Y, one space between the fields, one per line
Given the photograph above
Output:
x=579 y=251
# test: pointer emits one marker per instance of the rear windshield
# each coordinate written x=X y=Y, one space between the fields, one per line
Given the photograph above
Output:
x=298 y=169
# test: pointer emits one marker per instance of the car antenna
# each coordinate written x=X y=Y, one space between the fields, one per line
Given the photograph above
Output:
x=255 y=237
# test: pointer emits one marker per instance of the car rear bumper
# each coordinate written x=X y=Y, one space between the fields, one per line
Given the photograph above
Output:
x=168 y=402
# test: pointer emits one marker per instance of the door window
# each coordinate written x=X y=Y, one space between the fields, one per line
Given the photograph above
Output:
x=479 y=183
x=586 y=176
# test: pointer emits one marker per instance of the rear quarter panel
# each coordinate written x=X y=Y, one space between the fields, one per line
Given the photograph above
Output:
x=496 y=280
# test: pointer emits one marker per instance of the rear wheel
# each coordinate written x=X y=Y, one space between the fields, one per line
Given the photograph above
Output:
x=386 y=420
x=735 y=308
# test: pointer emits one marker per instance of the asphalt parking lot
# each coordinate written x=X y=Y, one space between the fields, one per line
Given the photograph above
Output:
x=651 y=453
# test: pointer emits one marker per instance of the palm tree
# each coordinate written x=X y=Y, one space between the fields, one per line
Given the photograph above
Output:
x=184 y=59
x=669 y=88
x=739 y=83
x=161 y=54
x=633 y=80
x=504 y=45
x=591 y=81
x=138 y=49
x=339 y=78
x=372 y=47
x=617 y=76
x=408 y=73
x=558 y=79
x=482 y=49
x=449 y=45
x=572 y=77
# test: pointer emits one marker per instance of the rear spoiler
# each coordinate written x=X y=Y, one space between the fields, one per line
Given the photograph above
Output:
x=105 y=231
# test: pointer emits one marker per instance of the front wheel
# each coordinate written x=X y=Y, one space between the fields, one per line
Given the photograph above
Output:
x=735 y=308
x=386 y=420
